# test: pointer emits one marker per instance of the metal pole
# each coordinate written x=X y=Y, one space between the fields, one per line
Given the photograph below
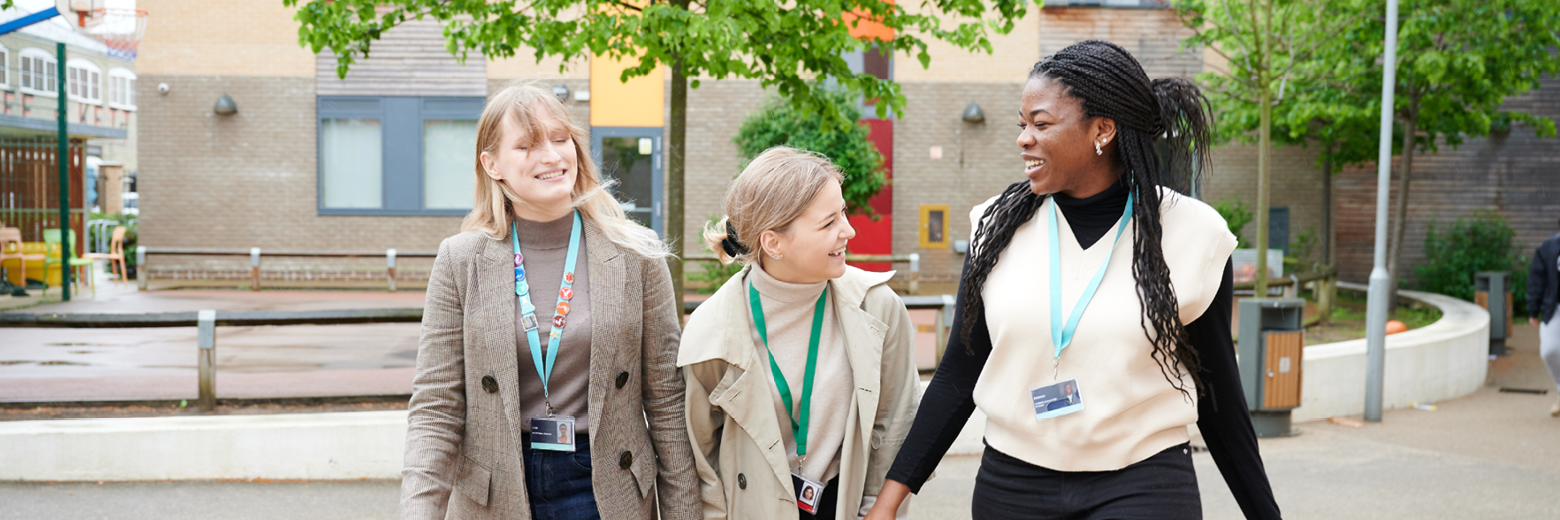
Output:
x=390 y=264
x=1376 y=305
x=140 y=267
x=206 y=339
x=64 y=161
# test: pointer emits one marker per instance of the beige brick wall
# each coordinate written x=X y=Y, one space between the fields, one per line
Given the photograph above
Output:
x=1011 y=57
x=221 y=37
x=1153 y=36
x=1295 y=181
x=715 y=113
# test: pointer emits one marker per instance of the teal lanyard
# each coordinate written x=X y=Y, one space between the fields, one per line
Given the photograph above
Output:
x=798 y=421
x=1061 y=337
x=528 y=310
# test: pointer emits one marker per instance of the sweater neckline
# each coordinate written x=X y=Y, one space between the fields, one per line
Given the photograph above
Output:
x=544 y=236
x=787 y=292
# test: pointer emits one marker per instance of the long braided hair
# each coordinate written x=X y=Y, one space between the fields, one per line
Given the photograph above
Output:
x=1163 y=130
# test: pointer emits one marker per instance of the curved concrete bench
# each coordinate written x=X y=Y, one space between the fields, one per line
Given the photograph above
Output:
x=1444 y=360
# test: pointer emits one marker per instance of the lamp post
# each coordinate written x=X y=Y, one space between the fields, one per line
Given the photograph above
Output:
x=64 y=162
x=1376 y=305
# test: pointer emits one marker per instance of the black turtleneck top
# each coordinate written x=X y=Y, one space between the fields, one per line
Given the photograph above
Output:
x=1223 y=418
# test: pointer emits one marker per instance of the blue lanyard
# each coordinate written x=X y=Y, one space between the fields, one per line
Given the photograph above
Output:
x=1061 y=337
x=528 y=310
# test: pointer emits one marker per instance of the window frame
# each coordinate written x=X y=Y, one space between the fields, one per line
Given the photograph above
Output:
x=35 y=54
x=86 y=69
x=130 y=79
x=401 y=122
x=5 y=67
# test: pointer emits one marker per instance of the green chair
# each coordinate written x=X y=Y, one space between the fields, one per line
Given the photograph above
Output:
x=81 y=266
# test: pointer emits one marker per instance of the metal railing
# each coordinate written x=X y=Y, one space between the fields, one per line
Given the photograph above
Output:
x=1324 y=287
x=255 y=253
x=914 y=259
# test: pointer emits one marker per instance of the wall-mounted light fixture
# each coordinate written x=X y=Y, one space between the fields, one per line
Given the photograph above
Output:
x=225 y=106
x=973 y=114
x=561 y=91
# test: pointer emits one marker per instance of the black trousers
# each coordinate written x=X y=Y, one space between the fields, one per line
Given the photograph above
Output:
x=1161 y=487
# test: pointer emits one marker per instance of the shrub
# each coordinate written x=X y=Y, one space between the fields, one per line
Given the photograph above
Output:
x=778 y=123
x=1480 y=242
x=1236 y=215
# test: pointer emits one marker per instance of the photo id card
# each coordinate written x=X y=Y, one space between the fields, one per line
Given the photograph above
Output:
x=552 y=433
x=808 y=493
x=1056 y=400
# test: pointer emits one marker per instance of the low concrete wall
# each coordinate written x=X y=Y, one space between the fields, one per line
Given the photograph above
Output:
x=1444 y=360
x=326 y=446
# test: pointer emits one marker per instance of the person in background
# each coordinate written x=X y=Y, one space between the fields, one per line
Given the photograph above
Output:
x=800 y=370
x=1542 y=292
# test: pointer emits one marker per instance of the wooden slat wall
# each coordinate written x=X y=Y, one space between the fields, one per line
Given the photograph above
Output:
x=1282 y=388
x=410 y=60
x=1517 y=175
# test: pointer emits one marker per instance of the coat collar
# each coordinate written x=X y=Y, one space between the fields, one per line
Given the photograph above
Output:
x=496 y=283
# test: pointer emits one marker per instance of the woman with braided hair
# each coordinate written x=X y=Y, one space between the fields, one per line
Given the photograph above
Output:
x=1093 y=314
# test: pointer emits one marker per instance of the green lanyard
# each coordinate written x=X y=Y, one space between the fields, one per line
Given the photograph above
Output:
x=798 y=421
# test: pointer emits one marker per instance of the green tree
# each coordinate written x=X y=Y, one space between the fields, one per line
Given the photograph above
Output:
x=783 y=44
x=779 y=123
x=1269 y=46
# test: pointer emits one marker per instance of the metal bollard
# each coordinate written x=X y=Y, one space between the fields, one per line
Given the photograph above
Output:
x=254 y=268
x=390 y=262
x=915 y=273
x=140 y=267
x=206 y=337
x=944 y=322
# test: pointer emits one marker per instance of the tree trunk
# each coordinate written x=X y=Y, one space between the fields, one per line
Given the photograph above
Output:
x=1264 y=148
x=1400 y=214
x=676 y=143
x=1329 y=231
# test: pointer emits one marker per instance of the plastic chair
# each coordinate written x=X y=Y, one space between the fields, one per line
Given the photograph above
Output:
x=76 y=263
x=11 y=247
x=115 y=256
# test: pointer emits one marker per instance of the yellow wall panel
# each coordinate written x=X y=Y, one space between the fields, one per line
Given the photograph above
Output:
x=639 y=102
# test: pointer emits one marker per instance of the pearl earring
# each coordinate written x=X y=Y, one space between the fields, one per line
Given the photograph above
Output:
x=1097 y=150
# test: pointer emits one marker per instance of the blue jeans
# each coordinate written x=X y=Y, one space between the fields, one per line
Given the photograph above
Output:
x=558 y=483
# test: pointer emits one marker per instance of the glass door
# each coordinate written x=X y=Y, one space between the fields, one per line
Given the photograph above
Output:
x=632 y=157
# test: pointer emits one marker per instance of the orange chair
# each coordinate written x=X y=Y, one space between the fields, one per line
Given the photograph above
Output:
x=115 y=256
x=11 y=248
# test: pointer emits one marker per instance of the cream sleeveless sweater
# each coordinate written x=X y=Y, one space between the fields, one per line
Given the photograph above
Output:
x=1130 y=410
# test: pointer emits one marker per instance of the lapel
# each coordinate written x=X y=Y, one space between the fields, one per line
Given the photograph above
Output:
x=495 y=306
x=864 y=335
x=607 y=306
x=746 y=400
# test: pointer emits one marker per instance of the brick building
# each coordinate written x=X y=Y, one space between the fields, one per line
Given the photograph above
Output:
x=287 y=170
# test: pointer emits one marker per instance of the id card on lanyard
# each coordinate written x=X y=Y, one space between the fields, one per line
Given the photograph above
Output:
x=1062 y=398
x=555 y=433
x=808 y=491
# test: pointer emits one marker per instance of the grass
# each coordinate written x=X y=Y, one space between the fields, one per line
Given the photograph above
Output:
x=1348 y=319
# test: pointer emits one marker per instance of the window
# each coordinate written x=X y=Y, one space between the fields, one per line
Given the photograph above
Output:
x=397 y=155
x=38 y=73
x=121 y=89
x=83 y=81
x=5 y=67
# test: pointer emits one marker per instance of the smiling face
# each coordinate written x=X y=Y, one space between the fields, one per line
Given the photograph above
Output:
x=1057 y=142
x=812 y=247
x=540 y=169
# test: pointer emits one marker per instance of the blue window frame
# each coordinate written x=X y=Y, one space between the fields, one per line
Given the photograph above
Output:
x=396 y=155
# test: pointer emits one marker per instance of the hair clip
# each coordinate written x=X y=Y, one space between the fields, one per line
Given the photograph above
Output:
x=730 y=244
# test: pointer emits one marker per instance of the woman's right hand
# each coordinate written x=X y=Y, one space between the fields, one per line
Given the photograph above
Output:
x=888 y=500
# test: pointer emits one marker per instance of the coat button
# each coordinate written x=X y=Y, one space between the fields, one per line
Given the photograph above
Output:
x=741 y=481
x=626 y=460
x=490 y=384
x=622 y=379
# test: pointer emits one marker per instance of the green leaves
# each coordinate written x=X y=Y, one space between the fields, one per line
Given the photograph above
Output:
x=1479 y=242
x=780 y=123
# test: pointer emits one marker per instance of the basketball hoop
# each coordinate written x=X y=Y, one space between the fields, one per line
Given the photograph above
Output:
x=119 y=29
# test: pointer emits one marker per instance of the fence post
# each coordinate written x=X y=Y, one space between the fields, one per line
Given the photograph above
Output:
x=915 y=273
x=254 y=268
x=206 y=325
x=390 y=262
x=140 y=267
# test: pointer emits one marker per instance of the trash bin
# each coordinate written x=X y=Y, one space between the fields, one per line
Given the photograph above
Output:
x=1272 y=347
x=1486 y=283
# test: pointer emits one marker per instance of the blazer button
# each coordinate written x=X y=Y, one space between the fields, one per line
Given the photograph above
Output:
x=490 y=384
x=622 y=379
x=626 y=460
x=741 y=481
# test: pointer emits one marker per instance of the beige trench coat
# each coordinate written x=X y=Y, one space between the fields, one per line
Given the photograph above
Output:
x=463 y=442
x=743 y=468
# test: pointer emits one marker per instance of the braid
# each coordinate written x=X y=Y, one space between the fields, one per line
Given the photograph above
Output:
x=1168 y=112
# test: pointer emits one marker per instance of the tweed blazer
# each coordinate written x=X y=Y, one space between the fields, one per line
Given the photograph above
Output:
x=465 y=439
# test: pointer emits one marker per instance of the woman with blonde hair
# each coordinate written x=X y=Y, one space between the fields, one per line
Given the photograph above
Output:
x=548 y=343
x=800 y=372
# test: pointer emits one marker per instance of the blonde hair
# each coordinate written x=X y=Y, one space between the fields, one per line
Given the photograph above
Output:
x=769 y=194
x=492 y=211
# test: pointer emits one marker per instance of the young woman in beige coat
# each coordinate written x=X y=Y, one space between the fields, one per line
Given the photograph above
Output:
x=546 y=381
x=800 y=370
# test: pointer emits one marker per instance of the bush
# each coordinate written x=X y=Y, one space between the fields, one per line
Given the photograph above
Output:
x=132 y=234
x=1236 y=215
x=1480 y=242
x=714 y=273
x=778 y=123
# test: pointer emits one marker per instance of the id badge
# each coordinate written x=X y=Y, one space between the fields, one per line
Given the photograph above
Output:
x=808 y=493
x=1056 y=400
x=552 y=433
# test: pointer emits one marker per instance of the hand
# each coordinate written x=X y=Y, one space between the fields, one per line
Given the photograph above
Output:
x=1532 y=321
x=888 y=500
